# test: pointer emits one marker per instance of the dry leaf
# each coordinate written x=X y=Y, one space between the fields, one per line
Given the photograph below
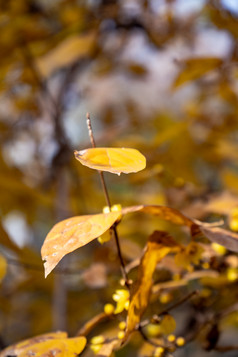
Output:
x=218 y=235
x=114 y=160
x=221 y=236
x=53 y=344
x=158 y=246
x=73 y=233
x=164 y=212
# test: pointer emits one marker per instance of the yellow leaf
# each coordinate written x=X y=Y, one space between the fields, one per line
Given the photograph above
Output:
x=73 y=233
x=114 y=160
x=53 y=344
x=68 y=51
x=158 y=246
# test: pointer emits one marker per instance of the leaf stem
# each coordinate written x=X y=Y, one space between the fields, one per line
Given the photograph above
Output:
x=113 y=228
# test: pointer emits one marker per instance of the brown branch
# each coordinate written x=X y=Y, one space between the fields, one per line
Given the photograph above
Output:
x=91 y=324
x=113 y=228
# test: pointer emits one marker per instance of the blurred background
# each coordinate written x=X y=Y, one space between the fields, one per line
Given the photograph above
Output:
x=160 y=76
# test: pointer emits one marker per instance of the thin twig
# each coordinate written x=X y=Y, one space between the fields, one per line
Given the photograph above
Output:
x=113 y=228
x=91 y=324
x=178 y=303
x=165 y=311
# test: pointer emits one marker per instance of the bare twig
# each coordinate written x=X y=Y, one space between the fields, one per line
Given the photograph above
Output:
x=113 y=228
x=91 y=324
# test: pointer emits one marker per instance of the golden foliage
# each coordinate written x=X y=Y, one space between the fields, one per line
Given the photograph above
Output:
x=73 y=233
x=114 y=160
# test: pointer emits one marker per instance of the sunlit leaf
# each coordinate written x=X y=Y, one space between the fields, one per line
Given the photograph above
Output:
x=114 y=160
x=73 y=233
x=194 y=68
x=158 y=246
x=53 y=344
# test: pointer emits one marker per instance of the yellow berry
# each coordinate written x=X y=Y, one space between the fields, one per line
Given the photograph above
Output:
x=121 y=335
x=106 y=209
x=116 y=208
x=96 y=348
x=180 y=341
x=127 y=304
x=97 y=340
x=234 y=224
x=171 y=338
x=109 y=309
x=153 y=330
x=158 y=352
x=122 y=325
x=219 y=249
x=165 y=298
x=232 y=274
x=103 y=239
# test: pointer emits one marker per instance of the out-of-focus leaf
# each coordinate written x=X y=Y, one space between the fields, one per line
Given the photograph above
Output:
x=73 y=233
x=67 y=52
x=222 y=203
x=194 y=68
x=114 y=160
x=53 y=344
x=190 y=255
x=158 y=246
x=164 y=212
x=221 y=236
x=218 y=235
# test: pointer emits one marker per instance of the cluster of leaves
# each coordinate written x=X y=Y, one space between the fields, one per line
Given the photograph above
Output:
x=70 y=234
x=60 y=56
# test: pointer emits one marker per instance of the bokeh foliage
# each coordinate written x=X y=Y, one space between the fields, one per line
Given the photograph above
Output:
x=159 y=76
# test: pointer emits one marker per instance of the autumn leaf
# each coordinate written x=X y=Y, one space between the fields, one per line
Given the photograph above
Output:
x=53 y=344
x=164 y=212
x=73 y=233
x=114 y=160
x=215 y=234
x=221 y=236
x=158 y=246
x=194 y=68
